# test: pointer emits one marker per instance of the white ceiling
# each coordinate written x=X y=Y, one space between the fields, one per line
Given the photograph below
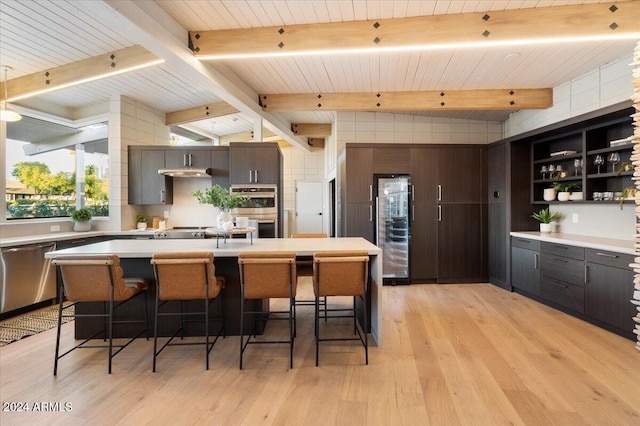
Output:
x=38 y=35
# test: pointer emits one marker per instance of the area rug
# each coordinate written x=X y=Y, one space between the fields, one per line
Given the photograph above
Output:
x=31 y=323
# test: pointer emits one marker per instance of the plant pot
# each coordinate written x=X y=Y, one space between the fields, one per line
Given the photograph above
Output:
x=545 y=228
x=142 y=225
x=549 y=194
x=82 y=226
x=564 y=196
x=224 y=217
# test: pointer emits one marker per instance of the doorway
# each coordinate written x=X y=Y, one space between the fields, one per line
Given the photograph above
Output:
x=309 y=202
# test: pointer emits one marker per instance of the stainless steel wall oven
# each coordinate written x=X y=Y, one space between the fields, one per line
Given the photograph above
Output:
x=261 y=206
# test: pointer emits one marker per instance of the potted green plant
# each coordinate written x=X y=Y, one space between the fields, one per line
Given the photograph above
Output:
x=222 y=199
x=141 y=221
x=81 y=219
x=546 y=217
x=564 y=190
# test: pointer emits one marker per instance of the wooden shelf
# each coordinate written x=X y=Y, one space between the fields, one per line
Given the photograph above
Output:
x=609 y=175
x=558 y=158
x=618 y=148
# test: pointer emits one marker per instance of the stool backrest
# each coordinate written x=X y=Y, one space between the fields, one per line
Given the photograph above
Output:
x=92 y=278
x=340 y=273
x=184 y=276
x=268 y=274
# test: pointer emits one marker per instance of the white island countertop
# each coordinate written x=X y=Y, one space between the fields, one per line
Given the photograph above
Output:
x=597 y=243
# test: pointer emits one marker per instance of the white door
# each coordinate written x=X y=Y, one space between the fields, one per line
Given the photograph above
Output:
x=308 y=207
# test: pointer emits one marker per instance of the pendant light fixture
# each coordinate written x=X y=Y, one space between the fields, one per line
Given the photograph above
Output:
x=5 y=114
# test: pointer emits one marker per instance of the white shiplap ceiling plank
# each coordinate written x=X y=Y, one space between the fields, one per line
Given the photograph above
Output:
x=347 y=11
x=360 y=12
x=321 y=11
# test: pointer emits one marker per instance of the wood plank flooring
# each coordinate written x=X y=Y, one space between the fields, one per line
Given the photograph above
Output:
x=452 y=355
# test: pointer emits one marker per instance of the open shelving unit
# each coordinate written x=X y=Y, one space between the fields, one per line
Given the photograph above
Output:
x=584 y=144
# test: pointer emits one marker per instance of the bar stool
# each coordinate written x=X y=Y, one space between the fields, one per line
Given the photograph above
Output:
x=186 y=276
x=304 y=268
x=342 y=273
x=97 y=278
x=265 y=275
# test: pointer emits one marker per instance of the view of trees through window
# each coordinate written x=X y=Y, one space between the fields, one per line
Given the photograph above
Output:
x=47 y=184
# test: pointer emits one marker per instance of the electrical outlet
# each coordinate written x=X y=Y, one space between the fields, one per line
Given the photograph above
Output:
x=55 y=228
x=166 y=214
x=574 y=218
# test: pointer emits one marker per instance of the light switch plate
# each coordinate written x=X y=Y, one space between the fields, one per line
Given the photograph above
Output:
x=574 y=218
x=55 y=228
x=166 y=214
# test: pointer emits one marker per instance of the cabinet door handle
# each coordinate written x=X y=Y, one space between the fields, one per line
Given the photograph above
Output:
x=250 y=176
x=586 y=273
x=162 y=196
x=256 y=175
x=370 y=213
x=413 y=212
x=413 y=193
x=190 y=160
x=439 y=192
x=370 y=193
x=536 y=261
x=439 y=213
x=524 y=241
x=184 y=160
x=607 y=255
x=555 y=259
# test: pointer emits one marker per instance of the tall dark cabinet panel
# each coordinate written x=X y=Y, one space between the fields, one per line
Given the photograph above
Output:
x=355 y=185
x=498 y=235
x=462 y=214
x=448 y=182
x=423 y=262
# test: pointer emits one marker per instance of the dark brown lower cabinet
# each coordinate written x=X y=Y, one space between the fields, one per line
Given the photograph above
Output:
x=609 y=289
x=594 y=285
x=525 y=269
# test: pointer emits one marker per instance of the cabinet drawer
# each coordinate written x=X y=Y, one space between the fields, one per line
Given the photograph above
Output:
x=563 y=250
x=562 y=268
x=525 y=243
x=562 y=293
x=609 y=258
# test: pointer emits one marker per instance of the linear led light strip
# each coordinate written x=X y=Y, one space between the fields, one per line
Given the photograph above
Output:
x=85 y=80
x=426 y=47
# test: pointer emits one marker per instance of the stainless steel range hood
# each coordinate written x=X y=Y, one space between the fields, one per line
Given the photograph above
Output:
x=186 y=172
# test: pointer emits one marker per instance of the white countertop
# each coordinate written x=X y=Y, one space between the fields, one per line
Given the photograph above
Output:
x=230 y=248
x=60 y=236
x=598 y=243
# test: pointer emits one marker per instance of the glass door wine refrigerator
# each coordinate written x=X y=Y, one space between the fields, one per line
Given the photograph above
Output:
x=393 y=226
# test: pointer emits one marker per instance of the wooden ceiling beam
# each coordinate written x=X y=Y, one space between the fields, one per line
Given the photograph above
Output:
x=101 y=66
x=518 y=25
x=504 y=99
x=267 y=136
x=203 y=112
x=311 y=129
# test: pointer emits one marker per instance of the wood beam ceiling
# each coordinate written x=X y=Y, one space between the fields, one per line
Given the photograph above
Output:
x=203 y=112
x=311 y=129
x=407 y=101
x=518 y=25
x=101 y=66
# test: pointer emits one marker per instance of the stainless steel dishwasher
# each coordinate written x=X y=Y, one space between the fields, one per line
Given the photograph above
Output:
x=27 y=277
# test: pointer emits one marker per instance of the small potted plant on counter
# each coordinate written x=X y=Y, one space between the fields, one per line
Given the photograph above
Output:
x=141 y=221
x=546 y=217
x=222 y=199
x=81 y=219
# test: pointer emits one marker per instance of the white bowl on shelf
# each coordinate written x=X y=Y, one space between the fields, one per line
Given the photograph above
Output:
x=575 y=196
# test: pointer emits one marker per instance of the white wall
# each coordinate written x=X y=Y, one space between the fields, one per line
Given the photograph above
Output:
x=606 y=221
x=377 y=127
x=607 y=85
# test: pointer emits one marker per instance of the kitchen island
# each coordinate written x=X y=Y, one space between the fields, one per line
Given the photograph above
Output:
x=135 y=256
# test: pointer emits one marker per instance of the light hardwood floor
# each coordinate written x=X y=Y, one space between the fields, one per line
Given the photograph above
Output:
x=452 y=354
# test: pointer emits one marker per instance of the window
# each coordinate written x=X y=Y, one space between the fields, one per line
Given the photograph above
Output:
x=42 y=160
